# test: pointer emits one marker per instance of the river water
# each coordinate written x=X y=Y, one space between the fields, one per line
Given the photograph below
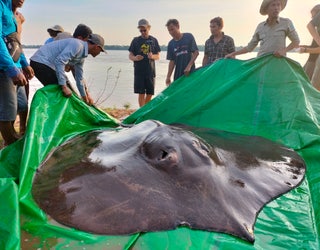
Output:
x=110 y=76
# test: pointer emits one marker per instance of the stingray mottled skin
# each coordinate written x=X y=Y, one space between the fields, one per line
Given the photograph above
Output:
x=153 y=177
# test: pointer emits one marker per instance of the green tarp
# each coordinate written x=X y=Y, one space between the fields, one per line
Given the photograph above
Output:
x=266 y=96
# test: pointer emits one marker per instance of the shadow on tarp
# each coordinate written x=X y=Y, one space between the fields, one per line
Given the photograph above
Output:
x=266 y=96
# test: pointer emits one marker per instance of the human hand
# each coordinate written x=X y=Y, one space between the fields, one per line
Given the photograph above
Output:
x=28 y=72
x=88 y=99
x=302 y=49
x=150 y=55
x=187 y=70
x=138 y=57
x=279 y=53
x=168 y=81
x=19 y=80
x=230 y=56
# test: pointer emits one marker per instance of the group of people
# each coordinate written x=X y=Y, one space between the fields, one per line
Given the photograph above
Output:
x=49 y=65
x=63 y=52
x=182 y=50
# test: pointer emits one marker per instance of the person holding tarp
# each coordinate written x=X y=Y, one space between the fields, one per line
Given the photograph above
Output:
x=182 y=52
x=272 y=33
x=312 y=66
x=14 y=71
x=50 y=60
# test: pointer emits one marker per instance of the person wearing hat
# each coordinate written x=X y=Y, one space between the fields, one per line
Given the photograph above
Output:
x=49 y=62
x=81 y=32
x=53 y=32
x=143 y=51
x=272 y=33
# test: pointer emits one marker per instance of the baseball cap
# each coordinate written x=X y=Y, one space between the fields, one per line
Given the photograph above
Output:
x=143 y=23
x=98 y=40
x=56 y=28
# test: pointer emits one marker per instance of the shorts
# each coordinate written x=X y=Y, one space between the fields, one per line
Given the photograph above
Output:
x=144 y=84
x=8 y=98
x=22 y=99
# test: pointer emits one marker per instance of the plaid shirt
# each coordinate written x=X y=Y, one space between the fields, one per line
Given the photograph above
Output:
x=218 y=50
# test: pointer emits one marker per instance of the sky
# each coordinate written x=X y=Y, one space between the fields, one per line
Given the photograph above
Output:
x=116 y=20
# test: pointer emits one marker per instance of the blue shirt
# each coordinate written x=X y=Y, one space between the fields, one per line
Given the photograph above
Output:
x=58 y=54
x=7 y=26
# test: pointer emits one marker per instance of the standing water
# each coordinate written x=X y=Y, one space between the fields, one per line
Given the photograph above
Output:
x=110 y=76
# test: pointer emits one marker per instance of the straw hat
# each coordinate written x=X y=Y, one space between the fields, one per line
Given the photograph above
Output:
x=265 y=4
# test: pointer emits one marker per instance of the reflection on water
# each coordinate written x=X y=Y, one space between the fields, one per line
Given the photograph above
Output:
x=110 y=76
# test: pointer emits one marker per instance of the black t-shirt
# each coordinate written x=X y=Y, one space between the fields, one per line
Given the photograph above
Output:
x=142 y=46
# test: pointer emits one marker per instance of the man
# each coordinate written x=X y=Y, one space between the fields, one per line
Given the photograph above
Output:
x=81 y=32
x=272 y=33
x=182 y=51
x=50 y=60
x=53 y=32
x=218 y=45
x=22 y=91
x=312 y=66
x=144 y=50
x=14 y=70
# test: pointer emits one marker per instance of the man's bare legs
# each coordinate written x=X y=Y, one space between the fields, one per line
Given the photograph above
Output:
x=8 y=133
x=144 y=99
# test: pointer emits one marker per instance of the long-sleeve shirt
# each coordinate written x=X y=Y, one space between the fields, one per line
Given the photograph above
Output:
x=7 y=26
x=58 y=54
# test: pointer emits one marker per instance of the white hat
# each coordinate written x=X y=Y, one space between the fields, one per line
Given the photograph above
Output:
x=56 y=28
x=265 y=4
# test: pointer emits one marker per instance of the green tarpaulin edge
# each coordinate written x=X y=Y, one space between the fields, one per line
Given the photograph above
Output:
x=266 y=96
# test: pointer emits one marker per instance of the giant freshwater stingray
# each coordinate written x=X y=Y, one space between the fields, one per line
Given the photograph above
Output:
x=154 y=177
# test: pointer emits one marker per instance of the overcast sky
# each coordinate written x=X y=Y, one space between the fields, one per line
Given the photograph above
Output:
x=116 y=20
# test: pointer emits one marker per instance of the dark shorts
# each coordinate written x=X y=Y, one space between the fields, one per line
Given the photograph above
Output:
x=8 y=98
x=144 y=84
x=44 y=73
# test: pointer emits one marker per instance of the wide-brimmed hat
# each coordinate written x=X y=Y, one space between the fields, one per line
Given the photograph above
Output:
x=98 y=40
x=265 y=4
x=143 y=23
x=56 y=28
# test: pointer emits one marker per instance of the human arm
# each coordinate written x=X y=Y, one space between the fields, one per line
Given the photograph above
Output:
x=205 y=60
x=152 y=56
x=194 y=56
x=170 y=71
x=6 y=62
x=294 y=38
x=244 y=50
x=311 y=26
x=135 y=58
x=307 y=49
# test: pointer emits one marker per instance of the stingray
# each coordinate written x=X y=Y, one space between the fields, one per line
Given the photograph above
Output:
x=155 y=177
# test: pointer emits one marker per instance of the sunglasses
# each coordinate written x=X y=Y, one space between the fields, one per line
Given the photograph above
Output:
x=142 y=31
